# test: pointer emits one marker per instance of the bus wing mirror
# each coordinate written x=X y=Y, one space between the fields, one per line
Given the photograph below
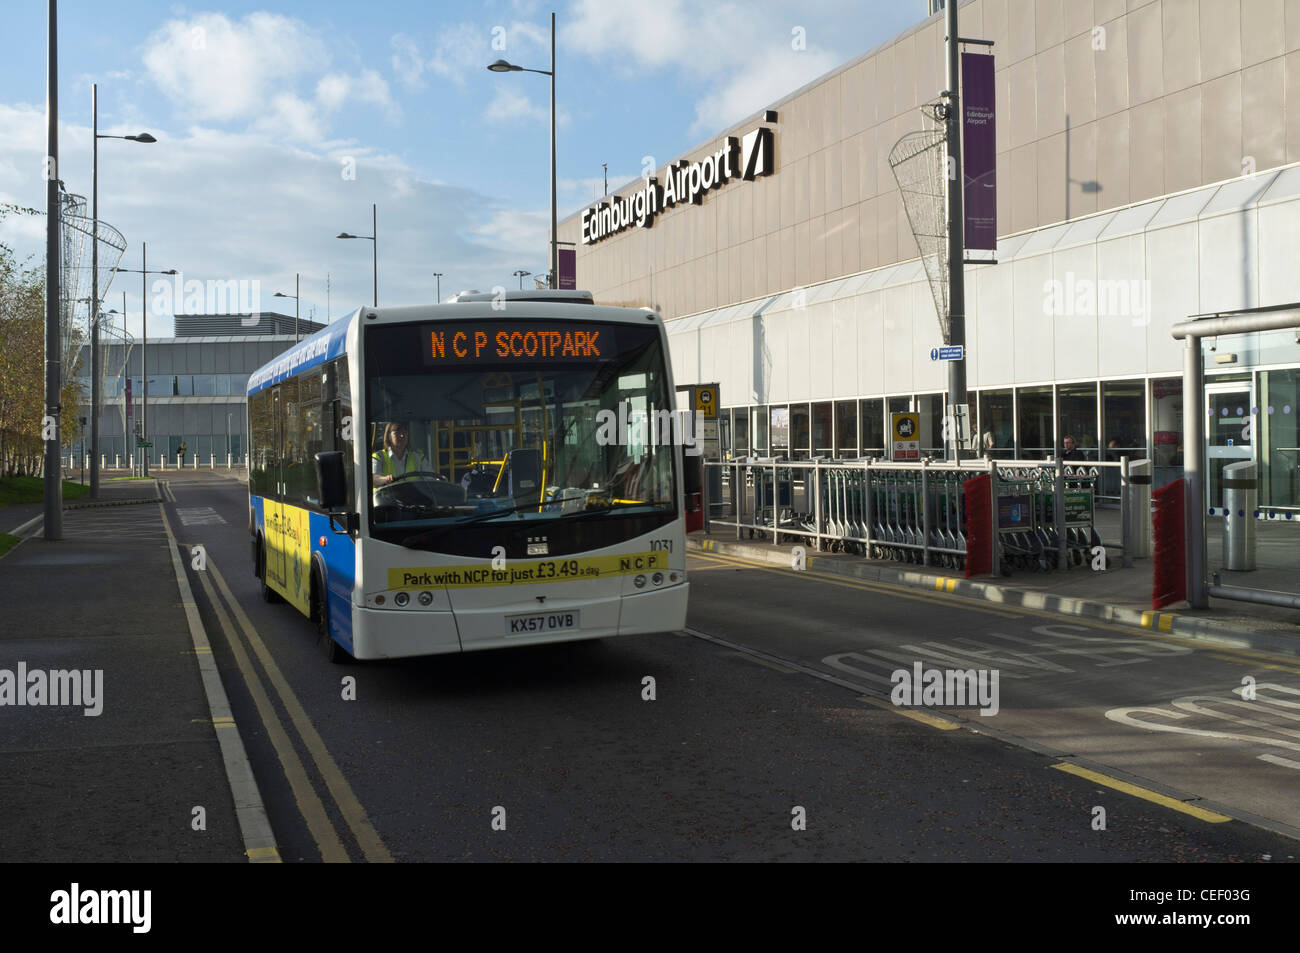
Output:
x=331 y=479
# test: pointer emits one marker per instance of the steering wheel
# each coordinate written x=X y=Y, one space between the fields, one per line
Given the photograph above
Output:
x=417 y=473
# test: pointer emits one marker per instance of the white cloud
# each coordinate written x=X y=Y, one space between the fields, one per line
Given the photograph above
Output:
x=291 y=117
x=739 y=56
x=461 y=50
x=523 y=234
x=508 y=106
x=335 y=89
x=215 y=69
x=332 y=90
x=408 y=64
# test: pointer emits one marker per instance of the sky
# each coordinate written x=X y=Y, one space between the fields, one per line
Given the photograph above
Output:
x=280 y=123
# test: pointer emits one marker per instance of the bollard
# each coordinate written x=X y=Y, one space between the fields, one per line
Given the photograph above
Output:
x=1139 y=503
x=228 y=461
x=1240 y=499
x=195 y=464
x=212 y=461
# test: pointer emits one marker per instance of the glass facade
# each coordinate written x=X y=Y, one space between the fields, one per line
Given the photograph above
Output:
x=1076 y=416
x=1140 y=418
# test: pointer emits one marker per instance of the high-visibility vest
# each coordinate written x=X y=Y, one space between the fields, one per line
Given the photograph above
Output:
x=414 y=461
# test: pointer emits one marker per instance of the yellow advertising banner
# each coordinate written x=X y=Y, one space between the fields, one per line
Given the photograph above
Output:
x=526 y=572
x=288 y=553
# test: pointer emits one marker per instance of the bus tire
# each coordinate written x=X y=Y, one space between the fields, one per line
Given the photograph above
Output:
x=268 y=594
x=320 y=614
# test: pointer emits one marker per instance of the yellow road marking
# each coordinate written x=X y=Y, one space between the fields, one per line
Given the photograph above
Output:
x=309 y=803
x=1163 y=800
x=368 y=839
x=934 y=721
x=860 y=585
x=263 y=855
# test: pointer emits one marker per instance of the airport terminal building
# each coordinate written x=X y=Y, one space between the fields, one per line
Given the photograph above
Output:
x=1147 y=170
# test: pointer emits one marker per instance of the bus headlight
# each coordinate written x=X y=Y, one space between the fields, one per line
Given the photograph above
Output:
x=639 y=582
x=426 y=598
x=402 y=598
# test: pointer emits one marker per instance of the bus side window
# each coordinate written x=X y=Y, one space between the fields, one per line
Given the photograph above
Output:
x=341 y=428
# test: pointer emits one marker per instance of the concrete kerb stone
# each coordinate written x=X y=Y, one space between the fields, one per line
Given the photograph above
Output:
x=1227 y=635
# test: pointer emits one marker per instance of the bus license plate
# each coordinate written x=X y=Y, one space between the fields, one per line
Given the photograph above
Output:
x=542 y=622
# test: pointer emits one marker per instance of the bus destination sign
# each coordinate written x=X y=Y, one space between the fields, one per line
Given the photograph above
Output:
x=483 y=344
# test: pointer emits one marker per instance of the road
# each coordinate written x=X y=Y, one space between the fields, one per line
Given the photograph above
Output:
x=769 y=737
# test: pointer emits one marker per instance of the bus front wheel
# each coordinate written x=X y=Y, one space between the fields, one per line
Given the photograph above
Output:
x=320 y=614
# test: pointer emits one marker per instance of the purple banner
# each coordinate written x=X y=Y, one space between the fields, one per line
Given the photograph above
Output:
x=979 y=151
x=128 y=397
x=568 y=269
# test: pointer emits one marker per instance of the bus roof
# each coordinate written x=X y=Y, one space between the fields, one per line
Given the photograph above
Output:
x=547 y=295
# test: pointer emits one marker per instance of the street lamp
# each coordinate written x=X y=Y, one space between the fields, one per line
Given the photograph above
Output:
x=521 y=275
x=94 y=284
x=438 y=275
x=144 y=273
x=296 y=290
x=374 y=226
x=501 y=66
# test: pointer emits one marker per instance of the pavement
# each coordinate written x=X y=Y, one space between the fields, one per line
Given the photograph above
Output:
x=142 y=761
x=1116 y=594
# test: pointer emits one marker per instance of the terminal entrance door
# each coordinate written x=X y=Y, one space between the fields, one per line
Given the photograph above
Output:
x=1229 y=433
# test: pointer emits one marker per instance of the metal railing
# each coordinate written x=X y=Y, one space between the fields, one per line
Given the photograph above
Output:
x=917 y=512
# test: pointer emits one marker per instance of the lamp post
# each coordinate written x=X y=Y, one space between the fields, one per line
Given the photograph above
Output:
x=94 y=282
x=374 y=226
x=501 y=66
x=438 y=275
x=296 y=290
x=521 y=275
x=144 y=273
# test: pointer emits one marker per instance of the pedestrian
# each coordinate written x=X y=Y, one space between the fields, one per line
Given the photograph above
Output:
x=180 y=452
x=1072 y=452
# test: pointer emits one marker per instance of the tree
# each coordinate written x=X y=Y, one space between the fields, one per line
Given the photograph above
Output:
x=22 y=365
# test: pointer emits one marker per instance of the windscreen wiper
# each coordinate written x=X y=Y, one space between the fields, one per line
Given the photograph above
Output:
x=428 y=536
x=623 y=504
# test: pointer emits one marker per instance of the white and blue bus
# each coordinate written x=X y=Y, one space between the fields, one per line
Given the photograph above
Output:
x=433 y=479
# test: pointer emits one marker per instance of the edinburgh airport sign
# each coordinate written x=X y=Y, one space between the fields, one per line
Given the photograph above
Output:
x=687 y=182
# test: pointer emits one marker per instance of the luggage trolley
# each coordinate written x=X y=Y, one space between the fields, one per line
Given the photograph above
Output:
x=1017 y=533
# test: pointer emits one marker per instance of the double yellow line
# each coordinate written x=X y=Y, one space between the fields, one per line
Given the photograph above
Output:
x=309 y=803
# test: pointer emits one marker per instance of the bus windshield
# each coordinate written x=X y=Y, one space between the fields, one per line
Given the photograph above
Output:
x=477 y=421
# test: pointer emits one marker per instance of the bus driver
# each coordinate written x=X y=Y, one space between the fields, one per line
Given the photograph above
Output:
x=394 y=460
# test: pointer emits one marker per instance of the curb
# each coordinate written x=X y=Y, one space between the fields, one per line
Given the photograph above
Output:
x=1171 y=623
x=100 y=503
